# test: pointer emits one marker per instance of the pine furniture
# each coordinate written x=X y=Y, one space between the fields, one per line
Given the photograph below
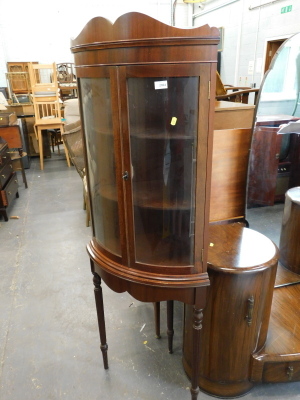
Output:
x=46 y=103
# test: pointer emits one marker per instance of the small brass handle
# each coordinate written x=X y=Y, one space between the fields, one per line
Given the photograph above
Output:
x=249 y=315
x=3 y=176
x=9 y=193
x=290 y=372
x=277 y=156
x=125 y=175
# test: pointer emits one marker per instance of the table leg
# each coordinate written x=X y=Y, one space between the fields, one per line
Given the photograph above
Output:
x=170 y=330
x=101 y=317
x=41 y=150
x=157 y=319
x=197 y=326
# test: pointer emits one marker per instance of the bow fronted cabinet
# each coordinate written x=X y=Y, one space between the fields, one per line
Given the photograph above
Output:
x=147 y=96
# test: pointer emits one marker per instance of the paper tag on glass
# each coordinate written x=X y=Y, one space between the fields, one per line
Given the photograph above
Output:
x=173 y=121
x=161 y=85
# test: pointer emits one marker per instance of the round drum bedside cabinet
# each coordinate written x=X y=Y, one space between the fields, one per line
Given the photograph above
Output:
x=289 y=246
x=242 y=266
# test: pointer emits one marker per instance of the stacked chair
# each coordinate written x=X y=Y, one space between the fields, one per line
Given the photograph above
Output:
x=47 y=105
x=237 y=94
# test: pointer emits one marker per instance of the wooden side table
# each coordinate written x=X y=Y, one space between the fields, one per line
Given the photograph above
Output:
x=289 y=245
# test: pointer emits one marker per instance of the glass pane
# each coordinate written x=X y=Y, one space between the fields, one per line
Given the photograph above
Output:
x=97 y=113
x=281 y=87
x=163 y=114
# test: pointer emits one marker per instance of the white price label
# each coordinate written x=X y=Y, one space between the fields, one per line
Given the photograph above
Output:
x=161 y=85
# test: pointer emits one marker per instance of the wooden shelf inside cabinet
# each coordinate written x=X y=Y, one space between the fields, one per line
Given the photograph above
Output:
x=150 y=195
x=161 y=136
x=148 y=136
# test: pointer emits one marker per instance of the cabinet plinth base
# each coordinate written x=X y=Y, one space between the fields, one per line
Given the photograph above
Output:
x=220 y=389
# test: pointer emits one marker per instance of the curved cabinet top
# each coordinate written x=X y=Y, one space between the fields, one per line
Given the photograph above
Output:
x=235 y=249
x=138 y=30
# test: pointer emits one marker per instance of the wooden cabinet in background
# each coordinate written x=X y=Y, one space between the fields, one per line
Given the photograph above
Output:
x=8 y=180
x=19 y=86
x=231 y=115
x=231 y=148
x=274 y=164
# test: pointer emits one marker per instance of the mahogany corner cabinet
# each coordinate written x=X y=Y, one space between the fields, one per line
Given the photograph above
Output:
x=147 y=98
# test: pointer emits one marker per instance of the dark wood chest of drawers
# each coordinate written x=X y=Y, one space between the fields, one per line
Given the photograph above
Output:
x=8 y=180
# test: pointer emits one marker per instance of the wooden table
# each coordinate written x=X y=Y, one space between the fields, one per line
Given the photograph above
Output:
x=230 y=115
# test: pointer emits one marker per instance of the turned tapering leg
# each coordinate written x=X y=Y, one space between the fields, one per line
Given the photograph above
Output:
x=197 y=325
x=101 y=317
x=170 y=330
x=157 y=318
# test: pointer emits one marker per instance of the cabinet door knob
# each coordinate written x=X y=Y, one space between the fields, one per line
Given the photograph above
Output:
x=125 y=175
x=3 y=176
x=249 y=316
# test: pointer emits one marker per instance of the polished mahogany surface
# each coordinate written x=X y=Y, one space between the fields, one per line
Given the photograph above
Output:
x=147 y=116
x=290 y=231
x=235 y=249
x=242 y=267
x=284 y=277
x=147 y=101
x=279 y=360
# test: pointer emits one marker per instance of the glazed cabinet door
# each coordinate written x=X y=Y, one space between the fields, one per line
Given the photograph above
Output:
x=164 y=143
x=148 y=128
x=100 y=144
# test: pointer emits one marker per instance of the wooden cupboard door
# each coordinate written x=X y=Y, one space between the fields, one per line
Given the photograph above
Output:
x=164 y=132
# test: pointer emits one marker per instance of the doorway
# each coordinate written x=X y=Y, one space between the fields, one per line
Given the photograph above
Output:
x=272 y=47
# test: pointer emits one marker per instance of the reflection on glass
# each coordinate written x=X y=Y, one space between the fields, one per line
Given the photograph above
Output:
x=99 y=139
x=281 y=87
x=273 y=161
x=163 y=138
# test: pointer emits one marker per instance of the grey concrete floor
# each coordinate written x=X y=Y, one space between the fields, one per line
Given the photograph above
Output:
x=49 y=343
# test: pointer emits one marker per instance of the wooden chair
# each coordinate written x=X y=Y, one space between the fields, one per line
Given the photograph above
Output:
x=238 y=94
x=47 y=117
x=12 y=135
x=46 y=103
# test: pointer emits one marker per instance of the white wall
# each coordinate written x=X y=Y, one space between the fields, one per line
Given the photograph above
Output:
x=36 y=30
x=246 y=33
